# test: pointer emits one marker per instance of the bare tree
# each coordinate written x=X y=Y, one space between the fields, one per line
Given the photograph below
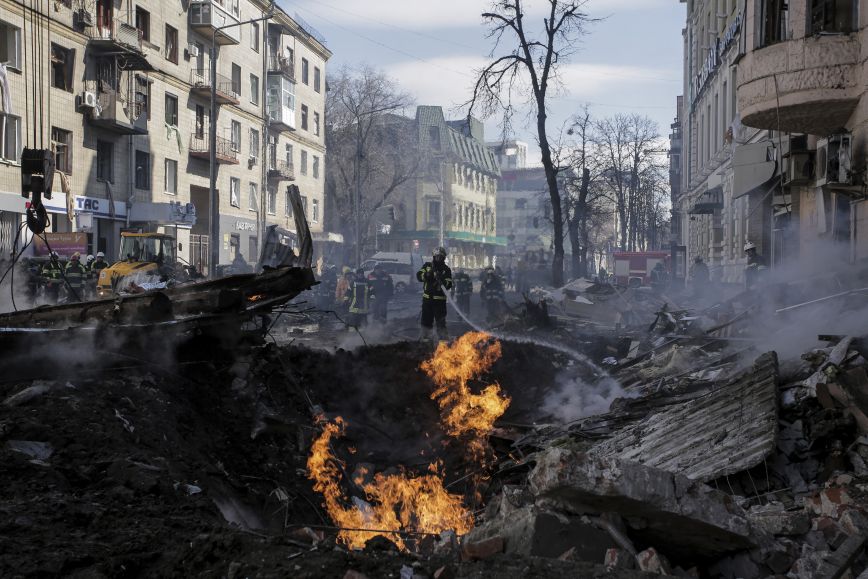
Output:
x=520 y=58
x=372 y=150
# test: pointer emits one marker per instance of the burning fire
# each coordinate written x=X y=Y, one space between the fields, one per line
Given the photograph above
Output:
x=395 y=502
x=463 y=413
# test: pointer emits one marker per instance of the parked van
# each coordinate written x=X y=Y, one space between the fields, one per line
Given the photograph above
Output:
x=402 y=266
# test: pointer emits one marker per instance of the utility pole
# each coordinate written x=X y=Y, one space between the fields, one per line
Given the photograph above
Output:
x=212 y=145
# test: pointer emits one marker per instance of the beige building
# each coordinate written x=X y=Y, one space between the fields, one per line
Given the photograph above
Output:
x=803 y=74
x=121 y=92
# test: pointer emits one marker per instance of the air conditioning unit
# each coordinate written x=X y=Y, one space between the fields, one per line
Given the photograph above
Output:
x=84 y=17
x=798 y=167
x=833 y=161
x=88 y=100
x=194 y=51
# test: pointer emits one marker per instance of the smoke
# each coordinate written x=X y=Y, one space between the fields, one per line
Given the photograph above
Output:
x=574 y=398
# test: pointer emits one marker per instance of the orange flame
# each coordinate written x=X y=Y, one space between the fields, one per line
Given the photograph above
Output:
x=463 y=413
x=395 y=502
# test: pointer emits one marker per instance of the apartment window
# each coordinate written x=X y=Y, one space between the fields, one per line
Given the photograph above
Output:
x=235 y=136
x=171 y=44
x=287 y=208
x=10 y=138
x=304 y=205
x=236 y=79
x=62 y=142
x=104 y=160
x=143 y=96
x=143 y=170
x=288 y=154
x=254 y=144
x=254 y=36
x=254 y=89
x=272 y=201
x=252 y=204
x=171 y=177
x=235 y=191
x=316 y=123
x=832 y=16
x=10 y=45
x=304 y=117
x=304 y=162
x=314 y=211
x=171 y=110
x=143 y=23
x=200 y=122
x=433 y=211
x=62 y=65
x=315 y=167
x=316 y=79
x=304 y=71
x=773 y=21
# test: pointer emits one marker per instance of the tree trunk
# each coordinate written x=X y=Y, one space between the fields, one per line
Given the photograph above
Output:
x=554 y=196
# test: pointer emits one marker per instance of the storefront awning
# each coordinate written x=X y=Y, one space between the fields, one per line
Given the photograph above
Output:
x=172 y=213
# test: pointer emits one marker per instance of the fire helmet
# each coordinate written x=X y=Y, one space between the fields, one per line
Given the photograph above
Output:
x=75 y=256
x=441 y=251
x=749 y=245
x=100 y=254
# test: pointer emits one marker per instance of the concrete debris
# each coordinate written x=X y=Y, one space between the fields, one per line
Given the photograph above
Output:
x=775 y=519
x=836 y=564
x=619 y=559
x=669 y=509
x=653 y=562
x=480 y=550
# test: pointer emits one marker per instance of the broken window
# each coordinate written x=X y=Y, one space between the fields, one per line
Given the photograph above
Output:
x=143 y=97
x=832 y=16
x=143 y=23
x=171 y=177
x=143 y=170
x=171 y=44
x=62 y=63
x=104 y=161
x=61 y=141
x=773 y=21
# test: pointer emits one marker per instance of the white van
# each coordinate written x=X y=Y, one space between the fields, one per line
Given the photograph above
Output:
x=402 y=266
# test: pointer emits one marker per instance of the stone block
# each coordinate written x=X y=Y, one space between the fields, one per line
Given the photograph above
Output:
x=683 y=516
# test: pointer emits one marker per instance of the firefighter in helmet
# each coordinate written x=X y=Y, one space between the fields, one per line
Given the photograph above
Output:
x=436 y=279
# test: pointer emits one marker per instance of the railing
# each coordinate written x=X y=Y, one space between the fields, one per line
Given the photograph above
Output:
x=118 y=31
x=201 y=78
x=225 y=151
x=110 y=101
x=281 y=64
x=281 y=170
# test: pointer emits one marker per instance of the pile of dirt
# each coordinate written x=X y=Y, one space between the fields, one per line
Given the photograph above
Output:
x=199 y=469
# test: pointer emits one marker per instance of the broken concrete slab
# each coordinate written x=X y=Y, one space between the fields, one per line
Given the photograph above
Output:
x=662 y=508
x=531 y=531
x=829 y=502
x=775 y=519
x=834 y=565
x=730 y=430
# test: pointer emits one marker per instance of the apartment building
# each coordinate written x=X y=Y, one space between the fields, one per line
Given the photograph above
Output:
x=454 y=195
x=727 y=168
x=126 y=109
x=803 y=75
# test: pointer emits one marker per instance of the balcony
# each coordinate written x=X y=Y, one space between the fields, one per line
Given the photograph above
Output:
x=117 y=38
x=281 y=171
x=816 y=89
x=278 y=64
x=201 y=86
x=206 y=16
x=117 y=114
x=226 y=153
x=280 y=104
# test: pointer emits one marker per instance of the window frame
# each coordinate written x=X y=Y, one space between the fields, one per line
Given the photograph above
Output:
x=254 y=36
x=236 y=86
x=143 y=25
x=15 y=158
x=253 y=197
x=314 y=212
x=315 y=166
x=304 y=114
x=316 y=123
x=235 y=192
x=235 y=136
x=303 y=168
x=13 y=42
x=254 y=144
x=254 y=89
x=103 y=147
x=66 y=165
x=171 y=50
x=271 y=201
x=143 y=184
x=305 y=71
x=317 y=79
x=173 y=163
x=67 y=68
x=287 y=208
x=170 y=98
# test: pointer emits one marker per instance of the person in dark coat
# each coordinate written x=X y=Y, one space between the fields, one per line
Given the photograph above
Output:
x=383 y=290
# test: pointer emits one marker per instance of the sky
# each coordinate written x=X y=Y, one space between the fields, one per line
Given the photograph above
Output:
x=629 y=62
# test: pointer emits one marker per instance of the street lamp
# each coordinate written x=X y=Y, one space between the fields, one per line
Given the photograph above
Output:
x=212 y=143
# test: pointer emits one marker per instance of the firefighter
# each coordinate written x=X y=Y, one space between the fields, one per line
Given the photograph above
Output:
x=755 y=264
x=76 y=277
x=659 y=277
x=342 y=289
x=360 y=300
x=328 y=285
x=700 y=276
x=462 y=290
x=384 y=289
x=52 y=277
x=492 y=295
x=435 y=277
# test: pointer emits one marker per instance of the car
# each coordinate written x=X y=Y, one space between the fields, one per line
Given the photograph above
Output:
x=401 y=266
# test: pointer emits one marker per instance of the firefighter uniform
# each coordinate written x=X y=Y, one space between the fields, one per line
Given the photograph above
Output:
x=462 y=290
x=52 y=275
x=76 y=275
x=435 y=277
x=360 y=293
x=492 y=295
x=381 y=285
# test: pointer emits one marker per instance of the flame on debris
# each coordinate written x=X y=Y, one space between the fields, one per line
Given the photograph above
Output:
x=463 y=413
x=395 y=502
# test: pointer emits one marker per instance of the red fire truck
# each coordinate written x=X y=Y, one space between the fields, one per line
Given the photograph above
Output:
x=633 y=268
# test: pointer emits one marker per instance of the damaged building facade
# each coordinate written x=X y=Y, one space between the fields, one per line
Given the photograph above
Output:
x=773 y=133
x=453 y=196
x=125 y=88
